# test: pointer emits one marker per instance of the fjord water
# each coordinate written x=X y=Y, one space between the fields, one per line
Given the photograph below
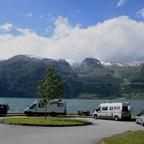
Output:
x=73 y=105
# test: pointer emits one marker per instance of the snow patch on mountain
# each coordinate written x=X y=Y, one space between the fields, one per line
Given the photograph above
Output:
x=35 y=57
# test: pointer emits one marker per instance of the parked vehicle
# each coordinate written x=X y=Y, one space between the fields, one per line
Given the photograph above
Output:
x=54 y=107
x=140 y=118
x=114 y=111
x=3 y=109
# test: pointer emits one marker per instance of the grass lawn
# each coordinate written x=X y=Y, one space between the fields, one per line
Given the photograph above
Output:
x=36 y=121
x=136 y=137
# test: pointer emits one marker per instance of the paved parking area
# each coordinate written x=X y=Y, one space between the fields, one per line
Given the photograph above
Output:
x=10 y=134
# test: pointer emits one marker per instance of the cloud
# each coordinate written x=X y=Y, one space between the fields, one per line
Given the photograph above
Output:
x=29 y=15
x=120 y=3
x=24 y=30
x=6 y=27
x=140 y=13
x=62 y=28
x=41 y=16
x=118 y=39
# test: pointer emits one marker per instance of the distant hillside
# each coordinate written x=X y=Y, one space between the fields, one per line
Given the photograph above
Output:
x=20 y=76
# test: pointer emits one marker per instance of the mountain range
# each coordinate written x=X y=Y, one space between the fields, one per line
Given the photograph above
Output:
x=91 y=78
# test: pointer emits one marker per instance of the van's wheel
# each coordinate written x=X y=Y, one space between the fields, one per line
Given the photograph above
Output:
x=129 y=118
x=142 y=124
x=95 y=116
x=53 y=114
x=116 y=118
x=28 y=114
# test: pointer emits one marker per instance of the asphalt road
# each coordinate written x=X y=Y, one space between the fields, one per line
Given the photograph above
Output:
x=91 y=134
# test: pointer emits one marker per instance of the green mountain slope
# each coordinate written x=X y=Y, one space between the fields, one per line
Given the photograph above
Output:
x=20 y=76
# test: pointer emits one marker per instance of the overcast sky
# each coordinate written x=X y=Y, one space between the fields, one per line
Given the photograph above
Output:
x=110 y=30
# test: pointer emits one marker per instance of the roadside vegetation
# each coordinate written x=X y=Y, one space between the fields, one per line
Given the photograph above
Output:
x=35 y=121
x=136 y=137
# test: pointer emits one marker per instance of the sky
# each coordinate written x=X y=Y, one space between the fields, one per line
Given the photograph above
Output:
x=109 y=30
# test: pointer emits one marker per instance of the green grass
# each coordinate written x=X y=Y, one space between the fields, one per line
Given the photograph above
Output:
x=136 y=137
x=45 y=122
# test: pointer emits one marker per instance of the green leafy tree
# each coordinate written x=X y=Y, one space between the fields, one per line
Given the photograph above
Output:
x=51 y=87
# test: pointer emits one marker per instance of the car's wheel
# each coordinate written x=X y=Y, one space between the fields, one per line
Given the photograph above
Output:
x=136 y=122
x=116 y=118
x=142 y=123
x=2 y=114
x=95 y=116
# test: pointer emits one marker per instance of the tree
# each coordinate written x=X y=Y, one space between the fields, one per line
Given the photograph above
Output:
x=51 y=87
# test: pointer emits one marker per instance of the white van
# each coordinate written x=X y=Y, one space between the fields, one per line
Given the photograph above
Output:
x=54 y=107
x=114 y=111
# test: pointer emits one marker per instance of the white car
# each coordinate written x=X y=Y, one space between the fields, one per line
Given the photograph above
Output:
x=140 y=118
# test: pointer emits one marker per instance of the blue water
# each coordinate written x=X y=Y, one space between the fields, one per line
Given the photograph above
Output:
x=73 y=105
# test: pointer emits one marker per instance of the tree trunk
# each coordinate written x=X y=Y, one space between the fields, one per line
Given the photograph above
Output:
x=46 y=111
